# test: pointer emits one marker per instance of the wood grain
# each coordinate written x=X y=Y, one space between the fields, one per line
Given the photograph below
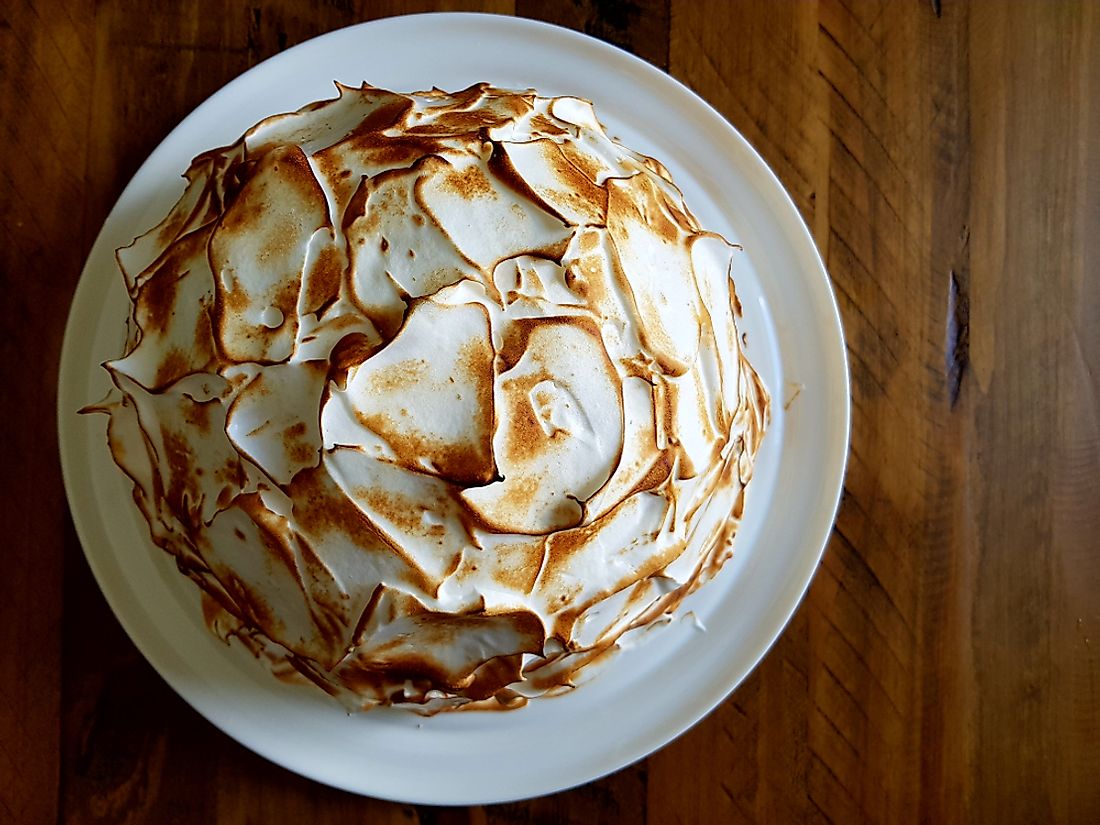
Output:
x=1036 y=431
x=42 y=186
x=943 y=667
x=639 y=26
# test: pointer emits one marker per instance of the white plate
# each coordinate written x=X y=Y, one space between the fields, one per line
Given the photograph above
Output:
x=648 y=694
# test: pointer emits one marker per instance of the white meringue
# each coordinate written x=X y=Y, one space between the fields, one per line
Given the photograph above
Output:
x=435 y=395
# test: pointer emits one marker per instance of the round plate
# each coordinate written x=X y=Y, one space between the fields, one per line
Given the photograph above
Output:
x=652 y=691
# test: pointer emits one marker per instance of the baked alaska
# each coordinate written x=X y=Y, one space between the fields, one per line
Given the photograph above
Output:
x=435 y=396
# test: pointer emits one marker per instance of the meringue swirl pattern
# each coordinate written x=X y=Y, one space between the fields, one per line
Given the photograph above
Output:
x=435 y=396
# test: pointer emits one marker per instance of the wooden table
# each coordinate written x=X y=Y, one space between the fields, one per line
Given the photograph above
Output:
x=945 y=666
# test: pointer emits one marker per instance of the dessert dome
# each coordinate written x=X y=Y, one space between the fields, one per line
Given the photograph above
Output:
x=435 y=396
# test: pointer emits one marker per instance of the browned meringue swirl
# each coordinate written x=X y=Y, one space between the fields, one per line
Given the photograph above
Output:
x=435 y=396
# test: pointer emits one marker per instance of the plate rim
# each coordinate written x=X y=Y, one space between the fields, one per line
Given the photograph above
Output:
x=647 y=74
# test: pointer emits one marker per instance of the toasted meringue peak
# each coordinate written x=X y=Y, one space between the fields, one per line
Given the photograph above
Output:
x=435 y=395
x=258 y=253
x=425 y=393
x=273 y=419
x=559 y=430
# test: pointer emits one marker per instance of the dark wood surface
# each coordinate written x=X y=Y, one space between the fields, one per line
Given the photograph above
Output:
x=945 y=666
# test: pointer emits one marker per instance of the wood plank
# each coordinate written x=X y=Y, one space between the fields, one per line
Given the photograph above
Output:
x=44 y=105
x=641 y=27
x=948 y=571
x=617 y=798
x=1035 y=349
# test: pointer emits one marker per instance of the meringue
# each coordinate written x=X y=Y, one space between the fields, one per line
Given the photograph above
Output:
x=435 y=396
